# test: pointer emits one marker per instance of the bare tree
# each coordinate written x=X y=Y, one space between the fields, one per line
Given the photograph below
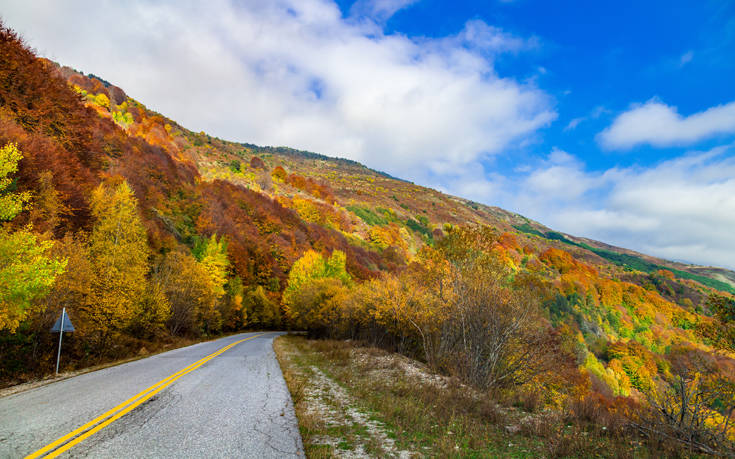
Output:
x=495 y=335
x=693 y=409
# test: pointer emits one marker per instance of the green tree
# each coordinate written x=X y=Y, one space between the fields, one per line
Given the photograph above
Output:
x=262 y=312
x=27 y=272
x=11 y=203
x=211 y=255
x=231 y=308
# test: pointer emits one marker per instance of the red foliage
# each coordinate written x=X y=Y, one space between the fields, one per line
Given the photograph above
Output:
x=257 y=163
x=311 y=186
x=57 y=132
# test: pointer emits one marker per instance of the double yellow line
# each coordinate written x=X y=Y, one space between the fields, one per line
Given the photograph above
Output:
x=100 y=422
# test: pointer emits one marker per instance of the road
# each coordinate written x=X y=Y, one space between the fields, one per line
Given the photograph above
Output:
x=232 y=404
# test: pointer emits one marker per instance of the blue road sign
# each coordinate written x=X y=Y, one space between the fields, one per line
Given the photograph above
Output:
x=68 y=327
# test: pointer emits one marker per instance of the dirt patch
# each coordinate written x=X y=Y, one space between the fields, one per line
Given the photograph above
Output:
x=332 y=424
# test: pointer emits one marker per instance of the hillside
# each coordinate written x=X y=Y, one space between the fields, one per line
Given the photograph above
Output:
x=149 y=232
x=354 y=198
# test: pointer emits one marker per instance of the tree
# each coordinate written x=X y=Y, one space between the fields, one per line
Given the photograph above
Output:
x=692 y=408
x=212 y=254
x=47 y=204
x=151 y=313
x=495 y=335
x=212 y=257
x=119 y=251
x=73 y=289
x=11 y=203
x=233 y=312
x=190 y=293
x=262 y=312
x=27 y=272
x=314 y=305
x=306 y=270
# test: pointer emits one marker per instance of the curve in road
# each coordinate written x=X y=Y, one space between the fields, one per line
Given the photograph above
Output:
x=223 y=398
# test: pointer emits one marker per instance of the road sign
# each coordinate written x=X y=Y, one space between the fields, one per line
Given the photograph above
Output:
x=68 y=326
x=63 y=324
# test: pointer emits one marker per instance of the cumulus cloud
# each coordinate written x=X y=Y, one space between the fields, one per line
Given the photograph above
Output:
x=660 y=125
x=298 y=73
x=681 y=209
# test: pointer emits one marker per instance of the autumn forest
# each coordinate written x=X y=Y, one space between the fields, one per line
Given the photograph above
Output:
x=153 y=236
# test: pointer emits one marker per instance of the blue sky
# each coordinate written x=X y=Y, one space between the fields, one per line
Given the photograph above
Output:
x=613 y=121
x=597 y=58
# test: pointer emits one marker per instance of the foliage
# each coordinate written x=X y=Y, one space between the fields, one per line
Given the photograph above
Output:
x=307 y=270
x=27 y=272
x=262 y=311
x=368 y=216
x=10 y=203
x=231 y=308
x=151 y=313
x=630 y=261
x=212 y=254
x=692 y=410
x=191 y=293
x=118 y=248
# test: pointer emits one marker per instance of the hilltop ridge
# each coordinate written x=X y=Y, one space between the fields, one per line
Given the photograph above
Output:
x=366 y=189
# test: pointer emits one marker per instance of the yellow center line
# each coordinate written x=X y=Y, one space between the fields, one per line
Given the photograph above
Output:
x=125 y=407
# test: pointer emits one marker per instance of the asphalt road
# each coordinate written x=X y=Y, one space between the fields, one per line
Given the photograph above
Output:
x=234 y=405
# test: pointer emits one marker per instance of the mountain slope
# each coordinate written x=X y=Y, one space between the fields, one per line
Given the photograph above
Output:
x=272 y=206
x=357 y=197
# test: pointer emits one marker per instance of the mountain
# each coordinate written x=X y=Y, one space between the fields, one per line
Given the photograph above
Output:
x=240 y=216
x=355 y=197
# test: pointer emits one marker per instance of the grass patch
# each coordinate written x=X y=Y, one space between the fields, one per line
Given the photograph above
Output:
x=422 y=414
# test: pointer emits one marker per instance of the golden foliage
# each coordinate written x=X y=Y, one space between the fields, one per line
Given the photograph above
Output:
x=119 y=252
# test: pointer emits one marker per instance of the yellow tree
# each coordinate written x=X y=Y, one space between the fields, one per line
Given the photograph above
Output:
x=118 y=248
x=212 y=254
x=190 y=292
x=26 y=270
x=10 y=203
x=212 y=257
x=310 y=280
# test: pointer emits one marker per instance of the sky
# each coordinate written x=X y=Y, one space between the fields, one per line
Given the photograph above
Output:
x=608 y=120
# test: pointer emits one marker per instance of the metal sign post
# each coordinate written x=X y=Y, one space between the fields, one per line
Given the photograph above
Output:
x=62 y=323
x=61 y=334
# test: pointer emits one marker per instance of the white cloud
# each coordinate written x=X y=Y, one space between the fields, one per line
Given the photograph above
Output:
x=660 y=125
x=574 y=123
x=681 y=209
x=297 y=73
x=481 y=36
x=593 y=115
x=379 y=10
x=686 y=58
x=561 y=178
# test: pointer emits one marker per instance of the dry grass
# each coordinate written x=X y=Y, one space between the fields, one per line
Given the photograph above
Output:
x=427 y=415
